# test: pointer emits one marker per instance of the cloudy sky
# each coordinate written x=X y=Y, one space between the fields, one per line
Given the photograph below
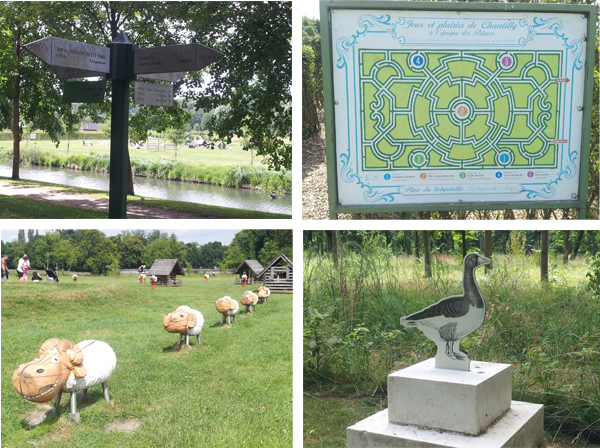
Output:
x=225 y=236
x=308 y=8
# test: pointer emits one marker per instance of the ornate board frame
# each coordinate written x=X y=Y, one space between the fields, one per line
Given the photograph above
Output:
x=343 y=172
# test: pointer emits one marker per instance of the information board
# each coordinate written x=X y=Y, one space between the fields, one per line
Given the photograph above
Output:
x=457 y=106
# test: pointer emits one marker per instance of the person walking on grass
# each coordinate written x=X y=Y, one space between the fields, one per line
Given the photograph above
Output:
x=22 y=266
x=4 y=268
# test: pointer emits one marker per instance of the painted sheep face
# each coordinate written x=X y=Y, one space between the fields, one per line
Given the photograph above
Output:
x=41 y=379
x=179 y=321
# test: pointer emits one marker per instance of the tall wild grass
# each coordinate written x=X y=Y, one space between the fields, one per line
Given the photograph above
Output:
x=549 y=333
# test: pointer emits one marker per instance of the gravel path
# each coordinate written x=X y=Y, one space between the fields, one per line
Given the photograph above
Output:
x=315 y=203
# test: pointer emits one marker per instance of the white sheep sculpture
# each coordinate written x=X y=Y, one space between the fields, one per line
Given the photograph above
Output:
x=263 y=293
x=184 y=321
x=63 y=366
x=227 y=307
x=249 y=300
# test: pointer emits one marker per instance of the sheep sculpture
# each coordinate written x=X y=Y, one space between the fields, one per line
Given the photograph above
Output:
x=63 y=366
x=263 y=293
x=227 y=307
x=184 y=321
x=249 y=300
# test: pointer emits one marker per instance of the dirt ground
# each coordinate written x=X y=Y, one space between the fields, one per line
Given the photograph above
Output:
x=315 y=204
x=84 y=201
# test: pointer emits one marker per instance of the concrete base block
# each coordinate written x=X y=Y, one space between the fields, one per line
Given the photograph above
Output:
x=451 y=400
x=520 y=427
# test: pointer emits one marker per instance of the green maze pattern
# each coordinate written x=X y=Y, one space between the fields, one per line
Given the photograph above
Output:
x=459 y=109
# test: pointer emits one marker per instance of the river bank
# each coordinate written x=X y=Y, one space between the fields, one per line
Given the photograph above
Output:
x=24 y=199
x=238 y=176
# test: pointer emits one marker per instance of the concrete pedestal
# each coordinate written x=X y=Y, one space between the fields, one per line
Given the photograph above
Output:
x=521 y=427
x=452 y=400
x=431 y=407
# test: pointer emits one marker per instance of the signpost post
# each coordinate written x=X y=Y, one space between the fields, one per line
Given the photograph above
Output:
x=120 y=62
x=437 y=106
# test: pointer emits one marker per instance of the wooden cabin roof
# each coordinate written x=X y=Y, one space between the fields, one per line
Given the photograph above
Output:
x=166 y=266
x=281 y=258
x=249 y=265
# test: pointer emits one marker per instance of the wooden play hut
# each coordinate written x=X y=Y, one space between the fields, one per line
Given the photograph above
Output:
x=252 y=268
x=278 y=275
x=167 y=270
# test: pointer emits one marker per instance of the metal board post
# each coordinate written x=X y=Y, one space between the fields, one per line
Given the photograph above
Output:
x=121 y=73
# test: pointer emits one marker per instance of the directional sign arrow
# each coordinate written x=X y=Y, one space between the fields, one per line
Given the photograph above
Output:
x=84 y=92
x=171 y=77
x=58 y=52
x=71 y=73
x=173 y=58
x=152 y=94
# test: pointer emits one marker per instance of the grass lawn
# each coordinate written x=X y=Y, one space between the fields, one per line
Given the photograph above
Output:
x=235 y=390
x=23 y=208
x=233 y=155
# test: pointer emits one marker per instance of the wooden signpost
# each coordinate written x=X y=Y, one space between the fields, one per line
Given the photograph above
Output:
x=120 y=63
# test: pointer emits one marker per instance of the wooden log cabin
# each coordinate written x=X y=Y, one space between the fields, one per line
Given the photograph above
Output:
x=167 y=270
x=252 y=268
x=278 y=275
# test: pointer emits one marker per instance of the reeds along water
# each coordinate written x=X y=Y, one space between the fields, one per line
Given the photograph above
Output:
x=229 y=176
x=550 y=333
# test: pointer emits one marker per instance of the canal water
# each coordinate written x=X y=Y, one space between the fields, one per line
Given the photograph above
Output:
x=161 y=189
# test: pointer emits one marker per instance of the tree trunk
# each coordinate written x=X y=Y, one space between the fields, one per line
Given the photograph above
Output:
x=566 y=247
x=426 y=253
x=580 y=234
x=487 y=248
x=129 y=175
x=335 y=246
x=416 y=241
x=544 y=257
x=16 y=99
x=463 y=234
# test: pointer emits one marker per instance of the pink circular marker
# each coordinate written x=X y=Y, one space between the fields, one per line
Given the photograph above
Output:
x=506 y=61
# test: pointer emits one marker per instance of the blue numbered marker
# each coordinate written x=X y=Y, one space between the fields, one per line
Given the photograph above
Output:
x=418 y=61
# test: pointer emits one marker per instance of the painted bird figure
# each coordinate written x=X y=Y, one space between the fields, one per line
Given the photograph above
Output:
x=452 y=318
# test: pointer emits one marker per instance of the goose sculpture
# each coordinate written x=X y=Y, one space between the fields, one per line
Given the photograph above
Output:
x=451 y=319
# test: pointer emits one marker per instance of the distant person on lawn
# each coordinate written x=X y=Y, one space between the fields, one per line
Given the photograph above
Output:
x=22 y=266
x=3 y=268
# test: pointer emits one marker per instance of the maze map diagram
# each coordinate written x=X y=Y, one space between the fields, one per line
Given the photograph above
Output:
x=459 y=109
x=437 y=107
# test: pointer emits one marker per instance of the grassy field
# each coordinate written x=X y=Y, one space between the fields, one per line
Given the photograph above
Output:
x=235 y=390
x=353 y=339
x=233 y=155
